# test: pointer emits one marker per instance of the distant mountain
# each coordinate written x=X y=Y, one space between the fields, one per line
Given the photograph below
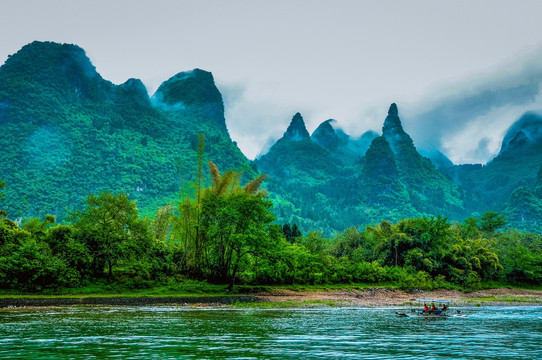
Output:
x=322 y=182
x=348 y=150
x=524 y=210
x=431 y=192
x=304 y=179
x=525 y=135
x=332 y=186
x=65 y=132
x=515 y=166
x=326 y=137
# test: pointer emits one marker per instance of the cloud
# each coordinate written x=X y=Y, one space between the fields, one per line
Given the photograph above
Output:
x=251 y=120
x=256 y=118
x=467 y=121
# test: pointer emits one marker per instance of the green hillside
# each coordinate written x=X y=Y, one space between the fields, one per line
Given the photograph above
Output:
x=65 y=132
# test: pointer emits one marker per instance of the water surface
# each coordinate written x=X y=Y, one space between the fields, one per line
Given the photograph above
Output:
x=321 y=333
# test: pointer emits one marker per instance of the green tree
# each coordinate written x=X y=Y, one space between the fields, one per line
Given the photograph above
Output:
x=287 y=231
x=3 y=213
x=295 y=231
x=38 y=228
x=62 y=242
x=491 y=221
x=107 y=223
x=235 y=222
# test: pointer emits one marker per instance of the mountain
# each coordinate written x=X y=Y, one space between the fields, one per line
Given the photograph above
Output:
x=525 y=135
x=515 y=166
x=524 y=210
x=65 y=132
x=296 y=155
x=320 y=183
x=330 y=181
x=348 y=150
x=306 y=180
x=326 y=137
x=194 y=90
x=431 y=192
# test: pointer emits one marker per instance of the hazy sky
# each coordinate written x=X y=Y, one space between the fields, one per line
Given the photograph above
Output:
x=461 y=72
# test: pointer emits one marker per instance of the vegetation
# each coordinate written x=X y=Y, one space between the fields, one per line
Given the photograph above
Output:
x=151 y=216
x=226 y=235
x=66 y=132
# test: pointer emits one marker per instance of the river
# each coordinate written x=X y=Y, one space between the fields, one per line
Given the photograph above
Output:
x=219 y=333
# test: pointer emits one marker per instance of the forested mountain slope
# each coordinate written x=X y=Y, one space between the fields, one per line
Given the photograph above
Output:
x=65 y=132
x=316 y=184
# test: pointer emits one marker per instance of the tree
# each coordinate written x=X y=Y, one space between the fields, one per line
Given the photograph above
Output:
x=491 y=221
x=296 y=232
x=235 y=222
x=287 y=231
x=2 y=196
x=2 y=185
x=106 y=223
x=36 y=227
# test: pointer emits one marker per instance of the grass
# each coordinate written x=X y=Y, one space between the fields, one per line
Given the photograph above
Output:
x=188 y=288
x=507 y=299
x=191 y=288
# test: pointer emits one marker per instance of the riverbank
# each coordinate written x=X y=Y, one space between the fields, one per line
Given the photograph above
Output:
x=369 y=297
x=392 y=297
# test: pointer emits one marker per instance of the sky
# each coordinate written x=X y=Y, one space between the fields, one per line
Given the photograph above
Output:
x=461 y=72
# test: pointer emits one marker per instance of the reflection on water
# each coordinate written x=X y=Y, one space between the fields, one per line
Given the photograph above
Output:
x=336 y=333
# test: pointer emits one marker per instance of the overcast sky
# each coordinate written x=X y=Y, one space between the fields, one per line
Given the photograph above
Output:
x=460 y=72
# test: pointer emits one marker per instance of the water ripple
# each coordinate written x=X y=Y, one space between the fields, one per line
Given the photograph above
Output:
x=323 y=333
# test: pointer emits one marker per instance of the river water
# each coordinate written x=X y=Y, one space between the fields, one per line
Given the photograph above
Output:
x=218 y=333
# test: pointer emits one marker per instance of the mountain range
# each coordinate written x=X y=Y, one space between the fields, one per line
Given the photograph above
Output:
x=65 y=132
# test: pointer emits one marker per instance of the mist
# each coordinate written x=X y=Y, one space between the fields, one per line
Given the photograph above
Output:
x=468 y=120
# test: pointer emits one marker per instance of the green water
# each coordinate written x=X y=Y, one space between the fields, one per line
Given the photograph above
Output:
x=322 y=333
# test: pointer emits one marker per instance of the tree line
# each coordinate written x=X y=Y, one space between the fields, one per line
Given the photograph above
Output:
x=226 y=233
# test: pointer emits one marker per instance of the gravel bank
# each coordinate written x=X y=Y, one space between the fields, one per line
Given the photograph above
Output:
x=390 y=297
x=126 y=301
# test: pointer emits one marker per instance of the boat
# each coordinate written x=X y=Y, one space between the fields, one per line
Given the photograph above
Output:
x=438 y=309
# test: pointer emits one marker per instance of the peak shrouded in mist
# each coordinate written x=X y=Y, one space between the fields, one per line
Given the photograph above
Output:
x=392 y=124
x=393 y=131
x=392 y=111
x=296 y=130
x=325 y=135
x=192 y=88
x=527 y=130
x=40 y=56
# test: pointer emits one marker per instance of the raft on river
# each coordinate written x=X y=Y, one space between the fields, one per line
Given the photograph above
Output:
x=437 y=309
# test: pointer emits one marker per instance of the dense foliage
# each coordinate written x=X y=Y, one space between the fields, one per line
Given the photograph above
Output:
x=225 y=234
x=152 y=214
